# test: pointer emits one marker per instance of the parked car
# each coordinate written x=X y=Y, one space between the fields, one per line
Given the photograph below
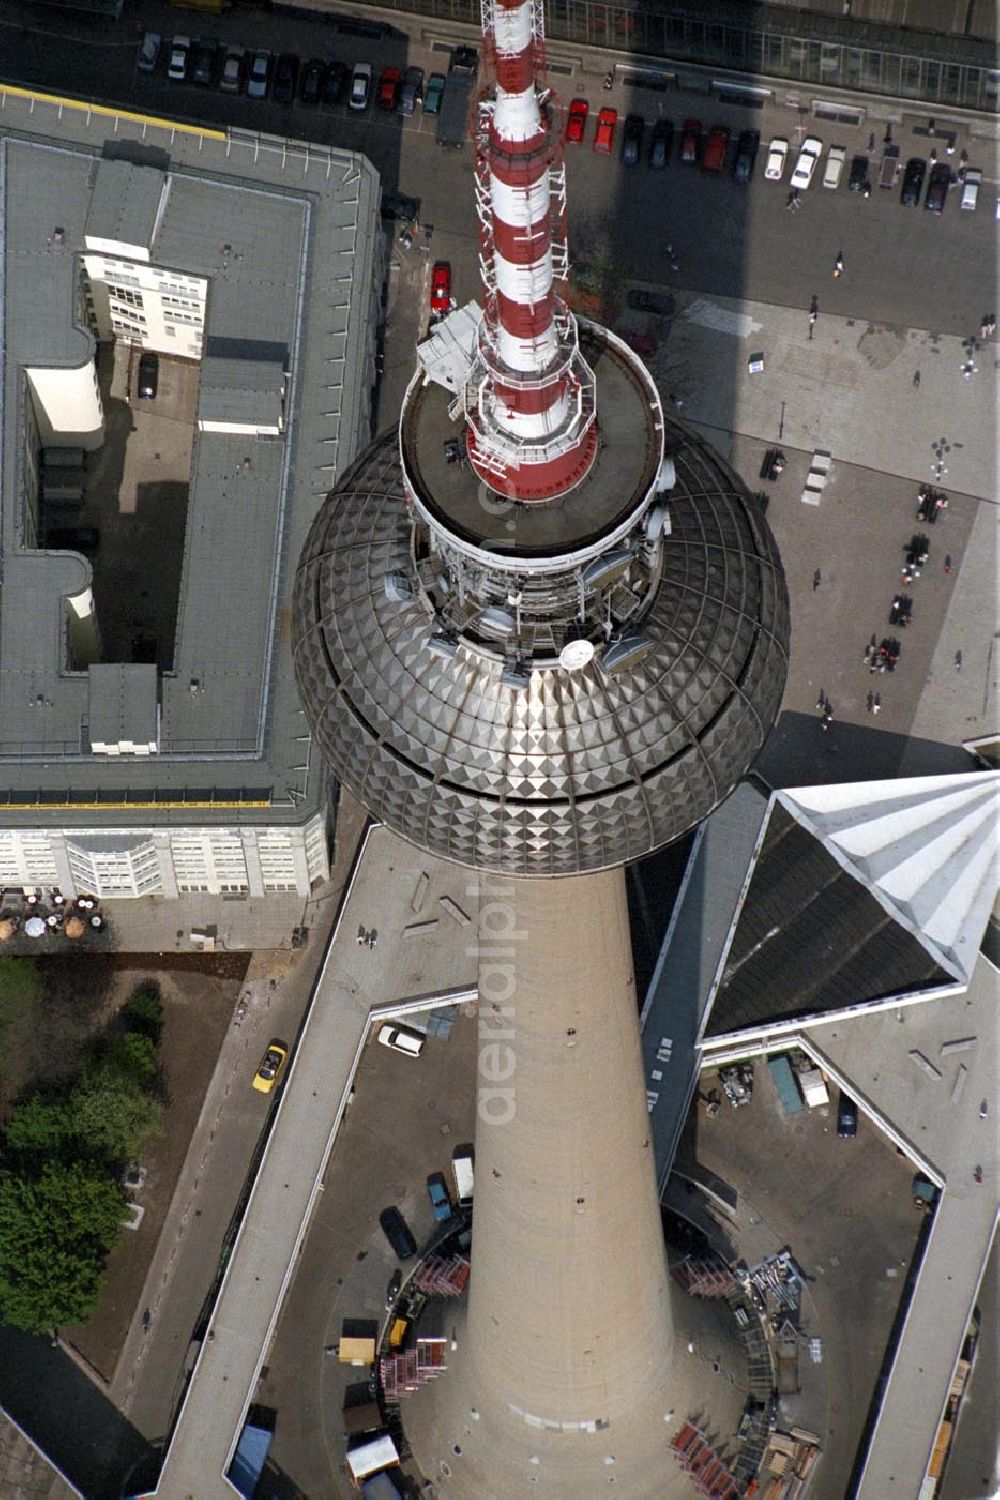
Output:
x=441 y=287
x=659 y=144
x=746 y=155
x=149 y=375
x=361 y=87
x=286 y=77
x=937 y=188
x=859 y=173
x=777 y=155
x=970 y=189
x=389 y=84
x=632 y=140
x=73 y=539
x=576 y=121
x=180 y=52
x=398 y=1232
x=834 y=169
x=259 y=75
x=809 y=155
x=433 y=94
x=412 y=91
x=271 y=1065
x=205 y=62
x=714 y=157
x=913 y=181
x=847 y=1117
x=401 y=1039
x=437 y=1192
x=233 y=74
x=311 y=85
x=691 y=140
x=333 y=83
x=149 y=51
x=605 y=133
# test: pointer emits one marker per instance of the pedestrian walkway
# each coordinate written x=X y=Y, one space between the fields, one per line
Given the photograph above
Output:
x=821 y=392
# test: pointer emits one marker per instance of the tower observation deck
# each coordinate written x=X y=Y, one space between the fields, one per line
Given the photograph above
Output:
x=542 y=629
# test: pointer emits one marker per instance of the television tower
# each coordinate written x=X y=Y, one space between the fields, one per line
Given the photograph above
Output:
x=542 y=629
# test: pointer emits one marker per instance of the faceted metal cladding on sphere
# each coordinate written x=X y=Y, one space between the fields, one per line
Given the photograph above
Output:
x=446 y=708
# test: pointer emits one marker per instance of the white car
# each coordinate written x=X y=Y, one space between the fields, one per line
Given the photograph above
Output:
x=361 y=86
x=180 y=50
x=834 y=166
x=777 y=155
x=812 y=146
x=970 y=189
x=401 y=1039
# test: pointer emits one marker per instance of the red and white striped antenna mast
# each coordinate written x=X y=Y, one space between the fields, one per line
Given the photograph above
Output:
x=530 y=400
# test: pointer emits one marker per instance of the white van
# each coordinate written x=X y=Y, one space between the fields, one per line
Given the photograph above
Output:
x=401 y=1039
x=462 y=1171
x=970 y=189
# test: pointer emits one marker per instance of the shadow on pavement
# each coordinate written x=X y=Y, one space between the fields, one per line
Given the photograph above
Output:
x=74 y=1424
x=800 y=752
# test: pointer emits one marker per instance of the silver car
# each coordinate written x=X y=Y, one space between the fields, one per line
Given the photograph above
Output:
x=361 y=86
x=259 y=75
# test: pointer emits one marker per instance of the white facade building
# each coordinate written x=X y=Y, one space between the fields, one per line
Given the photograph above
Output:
x=117 y=863
x=159 y=309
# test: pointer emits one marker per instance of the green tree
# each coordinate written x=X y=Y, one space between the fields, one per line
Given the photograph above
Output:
x=112 y=1118
x=55 y=1231
x=42 y=1126
x=144 y=1013
x=132 y=1057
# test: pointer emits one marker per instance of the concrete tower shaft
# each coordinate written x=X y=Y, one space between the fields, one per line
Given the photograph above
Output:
x=563 y=1373
x=531 y=403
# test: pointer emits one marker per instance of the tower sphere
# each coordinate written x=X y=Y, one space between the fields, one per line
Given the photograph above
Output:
x=434 y=671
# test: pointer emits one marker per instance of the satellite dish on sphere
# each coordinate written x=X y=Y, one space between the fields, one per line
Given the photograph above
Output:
x=576 y=654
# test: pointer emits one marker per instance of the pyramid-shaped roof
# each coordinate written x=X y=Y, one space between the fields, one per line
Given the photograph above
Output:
x=926 y=848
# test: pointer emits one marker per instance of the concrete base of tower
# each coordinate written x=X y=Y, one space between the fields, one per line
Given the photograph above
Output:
x=577 y=1360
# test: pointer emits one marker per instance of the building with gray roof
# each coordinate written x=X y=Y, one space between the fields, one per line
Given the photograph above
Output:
x=150 y=735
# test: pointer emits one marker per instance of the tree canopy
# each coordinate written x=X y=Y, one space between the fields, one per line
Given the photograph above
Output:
x=55 y=1230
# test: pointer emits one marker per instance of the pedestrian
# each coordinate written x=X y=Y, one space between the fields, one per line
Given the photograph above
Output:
x=876 y=704
x=916 y=380
x=824 y=722
x=817 y=579
x=958 y=661
x=947 y=562
x=821 y=702
x=838 y=265
x=814 y=303
x=812 y=323
x=866 y=191
x=870 y=702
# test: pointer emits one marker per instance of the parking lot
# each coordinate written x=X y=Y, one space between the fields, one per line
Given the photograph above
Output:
x=406 y=1117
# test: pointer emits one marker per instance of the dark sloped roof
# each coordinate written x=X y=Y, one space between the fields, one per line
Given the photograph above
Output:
x=811 y=938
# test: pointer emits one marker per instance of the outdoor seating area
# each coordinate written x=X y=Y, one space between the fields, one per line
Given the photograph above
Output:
x=36 y=914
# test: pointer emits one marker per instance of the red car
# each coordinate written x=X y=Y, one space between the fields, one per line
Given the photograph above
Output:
x=576 y=125
x=691 y=140
x=389 y=85
x=605 y=132
x=714 y=158
x=441 y=287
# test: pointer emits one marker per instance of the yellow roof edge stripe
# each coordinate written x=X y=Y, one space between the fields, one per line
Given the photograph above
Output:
x=16 y=807
x=114 y=114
